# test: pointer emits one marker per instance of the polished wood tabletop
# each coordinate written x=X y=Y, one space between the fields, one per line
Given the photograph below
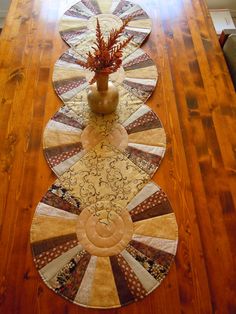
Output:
x=196 y=102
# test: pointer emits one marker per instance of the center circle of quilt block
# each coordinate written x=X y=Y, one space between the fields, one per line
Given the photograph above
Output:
x=117 y=137
x=104 y=229
x=107 y=22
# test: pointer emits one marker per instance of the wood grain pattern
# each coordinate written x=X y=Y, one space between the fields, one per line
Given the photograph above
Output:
x=196 y=102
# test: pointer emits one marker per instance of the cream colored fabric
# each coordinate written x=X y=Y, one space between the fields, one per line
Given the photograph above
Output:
x=65 y=165
x=155 y=150
x=107 y=22
x=166 y=245
x=51 y=138
x=85 y=289
x=105 y=6
x=51 y=269
x=90 y=137
x=137 y=53
x=47 y=210
x=80 y=106
x=141 y=81
x=114 y=5
x=104 y=173
x=147 y=23
x=115 y=134
x=147 y=191
x=58 y=126
x=70 y=23
x=143 y=30
x=143 y=275
x=138 y=113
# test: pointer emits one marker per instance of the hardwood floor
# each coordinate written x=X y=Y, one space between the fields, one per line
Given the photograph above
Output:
x=196 y=102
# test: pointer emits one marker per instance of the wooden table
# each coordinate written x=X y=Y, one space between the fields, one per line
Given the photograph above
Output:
x=197 y=105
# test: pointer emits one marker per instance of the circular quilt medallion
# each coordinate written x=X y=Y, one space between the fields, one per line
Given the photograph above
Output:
x=78 y=24
x=68 y=137
x=104 y=255
x=137 y=75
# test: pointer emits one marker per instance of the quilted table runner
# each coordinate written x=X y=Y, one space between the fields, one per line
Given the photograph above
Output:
x=104 y=234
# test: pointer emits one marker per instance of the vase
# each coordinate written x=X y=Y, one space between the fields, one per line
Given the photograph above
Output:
x=103 y=96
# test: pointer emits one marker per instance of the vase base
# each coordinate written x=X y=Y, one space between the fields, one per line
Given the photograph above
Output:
x=104 y=102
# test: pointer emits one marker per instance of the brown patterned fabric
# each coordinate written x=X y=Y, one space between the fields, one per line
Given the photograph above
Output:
x=92 y=5
x=67 y=57
x=137 y=15
x=64 y=194
x=156 y=255
x=139 y=90
x=124 y=293
x=76 y=12
x=46 y=245
x=132 y=280
x=47 y=250
x=156 y=270
x=66 y=85
x=138 y=37
x=155 y=205
x=57 y=150
x=56 y=201
x=71 y=278
x=69 y=34
x=141 y=59
x=146 y=161
x=138 y=63
x=146 y=122
x=56 y=155
x=60 y=117
x=122 y=7
x=137 y=86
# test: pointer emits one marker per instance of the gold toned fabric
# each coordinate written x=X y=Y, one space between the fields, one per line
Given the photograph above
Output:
x=103 y=277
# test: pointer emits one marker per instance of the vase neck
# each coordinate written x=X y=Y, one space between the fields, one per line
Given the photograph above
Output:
x=102 y=82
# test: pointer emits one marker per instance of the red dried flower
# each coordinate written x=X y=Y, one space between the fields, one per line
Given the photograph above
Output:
x=107 y=56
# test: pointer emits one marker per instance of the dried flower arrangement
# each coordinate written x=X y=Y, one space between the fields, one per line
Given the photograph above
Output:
x=107 y=56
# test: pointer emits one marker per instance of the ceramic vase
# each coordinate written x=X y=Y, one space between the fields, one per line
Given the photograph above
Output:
x=103 y=96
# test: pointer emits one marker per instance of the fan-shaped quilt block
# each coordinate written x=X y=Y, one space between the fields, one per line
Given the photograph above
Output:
x=141 y=138
x=132 y=245
x=78 y=24
x=137 y=74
